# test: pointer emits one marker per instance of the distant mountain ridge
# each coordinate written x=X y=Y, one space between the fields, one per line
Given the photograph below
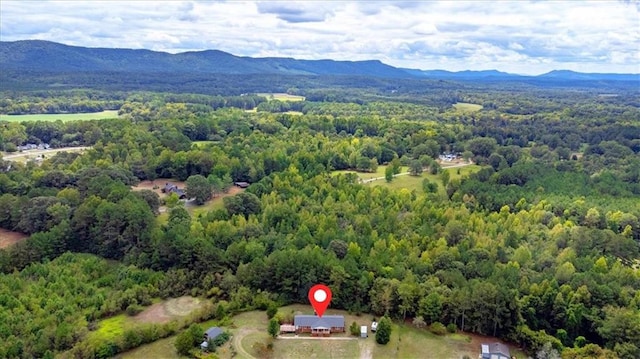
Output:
x=37 y=55
x=52 y=57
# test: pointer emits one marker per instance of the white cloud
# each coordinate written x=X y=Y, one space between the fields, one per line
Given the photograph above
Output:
x=515 y=36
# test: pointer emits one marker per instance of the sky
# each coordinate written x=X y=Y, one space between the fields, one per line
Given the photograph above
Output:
x=522 y=37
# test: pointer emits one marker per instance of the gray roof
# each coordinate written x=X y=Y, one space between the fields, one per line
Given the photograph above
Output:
x=313 y=321
x=495 y=350
x=213 y=332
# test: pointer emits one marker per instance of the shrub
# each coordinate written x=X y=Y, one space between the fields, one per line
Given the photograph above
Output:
x=383 y=334
x=354 y=329
x=271 y=311
x=133 y=309
x=438 y=328
x=451 y=328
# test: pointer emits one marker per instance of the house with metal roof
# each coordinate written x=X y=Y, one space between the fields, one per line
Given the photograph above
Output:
x=209 y=335
x=495 y=351
x=319 y=326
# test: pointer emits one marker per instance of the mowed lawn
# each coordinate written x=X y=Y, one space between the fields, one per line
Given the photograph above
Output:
x=249 y=332
x=62 y=117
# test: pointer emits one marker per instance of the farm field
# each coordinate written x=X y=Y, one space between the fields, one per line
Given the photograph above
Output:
x=249 y=332
x=281 y=96
x=62 y=116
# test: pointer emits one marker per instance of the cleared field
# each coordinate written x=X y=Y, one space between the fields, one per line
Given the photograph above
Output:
x=161 y=312
x=62 y=116
x=249 y=332
x=369 y=175
x=467 y=107
x=9 y=238
x=281 y=96
x=168 y=310
x=160 y=349
x=192 y=208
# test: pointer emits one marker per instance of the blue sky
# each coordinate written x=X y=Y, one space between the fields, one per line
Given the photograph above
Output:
x=525 y=37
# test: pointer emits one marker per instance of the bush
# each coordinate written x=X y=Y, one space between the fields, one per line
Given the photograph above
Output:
x=438 y=328
x=383 y=334
x=133 y=310
x=354 y=329
x=451 y=328
x=271 y=311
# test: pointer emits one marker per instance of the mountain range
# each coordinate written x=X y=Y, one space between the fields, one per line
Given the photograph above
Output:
x=52 y=57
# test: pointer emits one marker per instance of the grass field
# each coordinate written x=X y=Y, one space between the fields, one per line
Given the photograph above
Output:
x=282 y=96
x=249 y=332
x=456 y=170
x=467 y=107
x=368 y=175
x=62 y=117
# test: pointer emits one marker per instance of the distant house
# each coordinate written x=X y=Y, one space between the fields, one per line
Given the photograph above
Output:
x=210 y=334
x=363 y=331
x=319 y=326
x=495 y=351
x=242 y=184
x=374 y=326
x=172 y=188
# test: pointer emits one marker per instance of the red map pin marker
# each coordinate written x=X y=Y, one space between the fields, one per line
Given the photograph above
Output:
x=320 y=296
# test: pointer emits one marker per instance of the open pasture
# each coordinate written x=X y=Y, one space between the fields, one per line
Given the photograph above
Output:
x=61 y=116
x=281 y=96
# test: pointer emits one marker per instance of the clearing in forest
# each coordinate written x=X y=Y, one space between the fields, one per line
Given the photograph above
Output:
x=8 y=238
x=168 y=310
x=281 y=96
x=467 y=107
x=61 y=116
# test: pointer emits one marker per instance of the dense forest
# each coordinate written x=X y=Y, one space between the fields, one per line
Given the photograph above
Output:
x=541 y=245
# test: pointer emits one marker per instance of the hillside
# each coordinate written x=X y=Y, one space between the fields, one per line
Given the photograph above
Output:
x=36 y=55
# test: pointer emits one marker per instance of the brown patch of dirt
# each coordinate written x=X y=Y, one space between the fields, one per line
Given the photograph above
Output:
x=168 y=310
x=159 y=183
x=9 y=238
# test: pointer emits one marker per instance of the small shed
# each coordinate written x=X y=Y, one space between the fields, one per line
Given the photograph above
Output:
x=242 y=184
x=363 y=331
x=210 y=334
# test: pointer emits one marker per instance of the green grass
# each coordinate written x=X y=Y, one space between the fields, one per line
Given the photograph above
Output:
x=63 y=117
x=160 y=349
x=368 y=175
x=406 y=341
x=110 y=328
x=201 y=144
x=467 y=107
x=281 y=96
